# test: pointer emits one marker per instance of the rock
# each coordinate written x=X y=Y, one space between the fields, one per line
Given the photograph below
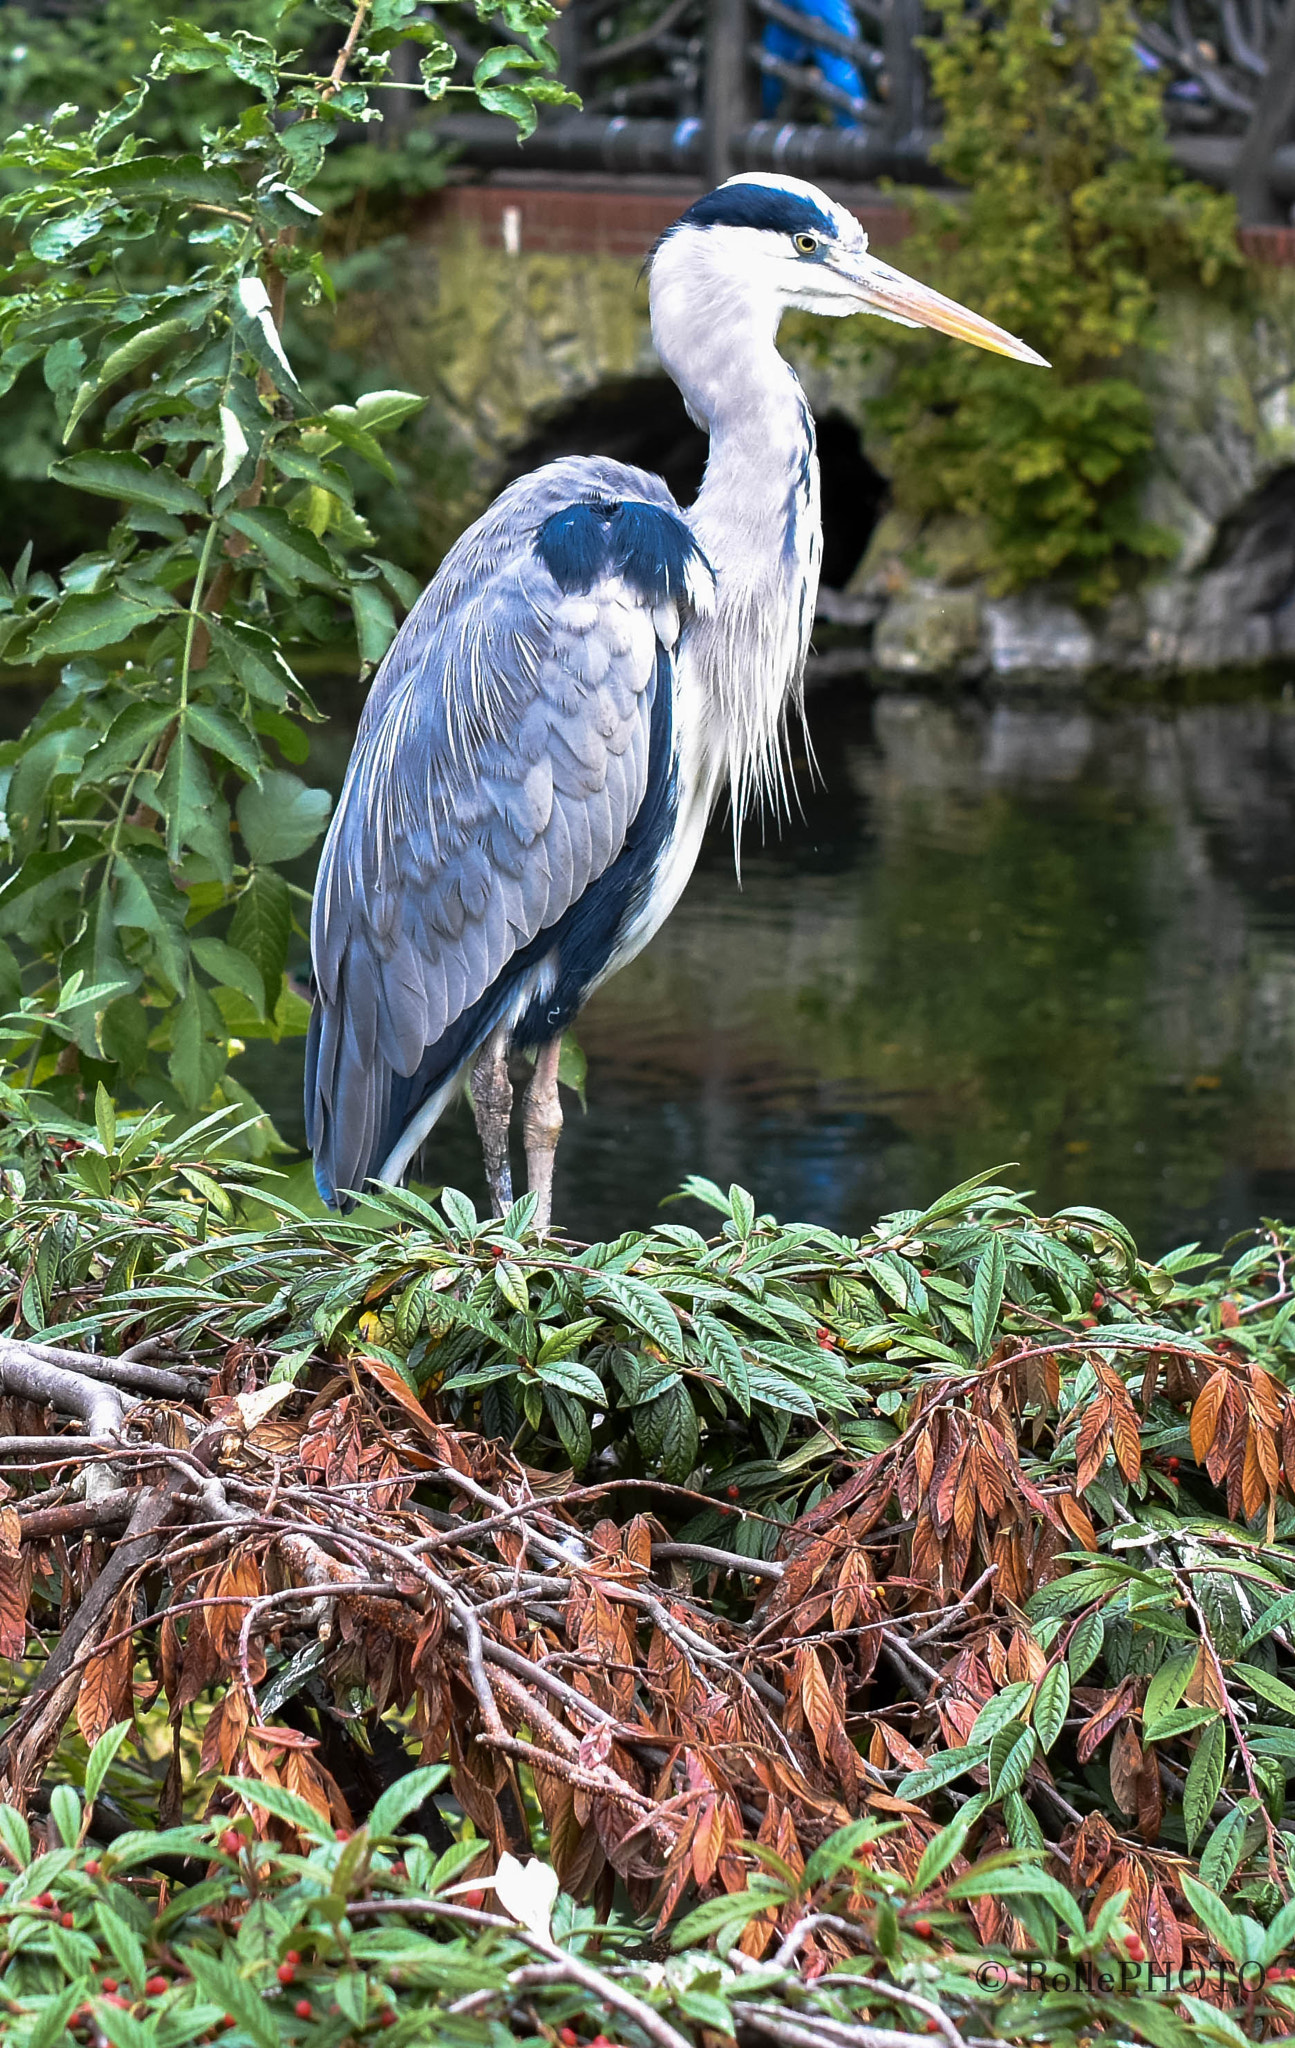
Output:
x=1035 y=635
x=930 y=631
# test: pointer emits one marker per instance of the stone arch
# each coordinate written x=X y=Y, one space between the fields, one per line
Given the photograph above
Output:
x=642 y=420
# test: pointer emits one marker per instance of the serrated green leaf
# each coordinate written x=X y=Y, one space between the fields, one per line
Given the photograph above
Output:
x=1011 y=1753
x=399 y=1800
x=1204 y=1780
x=987 y=1294
x=1222 y=1853
x=116 y=474
x=1051 y=1705
x=1086 y=1644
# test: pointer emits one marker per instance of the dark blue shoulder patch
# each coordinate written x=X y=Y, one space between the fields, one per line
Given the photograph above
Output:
x=757 y=206
x=650 y=547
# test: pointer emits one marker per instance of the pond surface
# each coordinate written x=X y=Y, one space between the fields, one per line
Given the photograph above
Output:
x=1024 y=930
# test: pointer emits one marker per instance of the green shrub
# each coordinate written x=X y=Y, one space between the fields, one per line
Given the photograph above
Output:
x=1075 y=220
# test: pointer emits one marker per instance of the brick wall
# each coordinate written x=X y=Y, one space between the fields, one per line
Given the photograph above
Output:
x=571 y=217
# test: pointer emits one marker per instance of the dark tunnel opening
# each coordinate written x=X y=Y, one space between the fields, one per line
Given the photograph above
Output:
x=642 y=420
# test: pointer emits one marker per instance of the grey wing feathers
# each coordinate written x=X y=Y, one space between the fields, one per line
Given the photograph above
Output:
x=502 y=755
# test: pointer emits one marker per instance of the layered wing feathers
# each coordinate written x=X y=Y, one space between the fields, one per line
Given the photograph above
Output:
x=501 y=758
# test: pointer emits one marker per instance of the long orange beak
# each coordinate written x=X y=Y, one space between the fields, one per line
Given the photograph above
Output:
x=902 y=298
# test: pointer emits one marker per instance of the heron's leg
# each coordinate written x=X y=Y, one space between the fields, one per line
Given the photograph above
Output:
x=542 y=1127
x=492 y=1102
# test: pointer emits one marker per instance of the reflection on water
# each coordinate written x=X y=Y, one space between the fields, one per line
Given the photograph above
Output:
x=1029 y=931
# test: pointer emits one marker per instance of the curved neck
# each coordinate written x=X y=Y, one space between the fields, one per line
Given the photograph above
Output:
x=716 y=337
x=757 y=513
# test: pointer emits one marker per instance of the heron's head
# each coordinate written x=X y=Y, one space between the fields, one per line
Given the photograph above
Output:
x=780 y=242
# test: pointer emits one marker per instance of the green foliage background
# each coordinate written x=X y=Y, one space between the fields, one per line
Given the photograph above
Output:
x=1074 y=221
x=158 y=233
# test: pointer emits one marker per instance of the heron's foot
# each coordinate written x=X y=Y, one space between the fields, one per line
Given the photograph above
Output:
x=542 y=1127
x=492 y=1104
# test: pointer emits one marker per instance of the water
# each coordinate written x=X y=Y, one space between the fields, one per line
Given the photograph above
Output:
x=1038 y=931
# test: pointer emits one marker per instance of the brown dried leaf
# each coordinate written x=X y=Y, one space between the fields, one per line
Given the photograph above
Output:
x=105 y=1696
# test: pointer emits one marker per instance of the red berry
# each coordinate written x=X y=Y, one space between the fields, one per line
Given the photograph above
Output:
x=1172 y=1468
x=228 y=2020
x=1135 y=1951
x=922 y=1927
x=387 y=2018
x=475 y=1899
x=43 y=1899
x=232 y=1842
x=293 y=1956
x=109 y=1984
x=826 y=1340
x=286 y=1973
x=303 y=2008
x=733 y=1492
x=1099 y=1299
x=67 y=1919
x=1088 y=1321
x=155 y=1986
x=932 y=2026
x=568 y=2037
x=119 y=2004
x=93 y=1867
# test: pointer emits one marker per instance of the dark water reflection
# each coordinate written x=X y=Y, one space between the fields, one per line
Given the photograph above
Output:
x=1025 y=930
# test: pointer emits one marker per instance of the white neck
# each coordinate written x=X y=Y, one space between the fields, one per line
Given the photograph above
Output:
x=757 y=514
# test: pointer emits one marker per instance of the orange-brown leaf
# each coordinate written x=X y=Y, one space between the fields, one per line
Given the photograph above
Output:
x=1205 y=1414
x=105 y=1696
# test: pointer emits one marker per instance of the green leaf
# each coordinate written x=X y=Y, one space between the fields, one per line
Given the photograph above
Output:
x=667 y=1433
x=987 y=1294
x=129 y=355
x=261 y=928
x=1178 y=1721
x=105 y=1749
x=1204 y=1780
x=256 y=661
x=129 y=478
x=375 y=622
x=1086 y=1644
x=281 y=818
x=1051 y=1705
x=225 y=1987
x=1223 y=1926
x=1008 y=1880
x=379 y=411
x=941 y=1850
x=1005 y=1706
x=723 y=1354
x=254 y=323
x=941 y=1770
x=196 y=815
x=215 y=729
x=65 y=1809
x=572 y=1379
x=1169 y=1684
x=164 y=178
x=195 y=1064
x=292 y=555
x=400 y=1799
x=125 y=743
x=83 y=623
x=1272 y=1617
x=1010 y=1755
x=1269 y=1688
x=224 y=963
x=641 y=1305
x=1222 y=1853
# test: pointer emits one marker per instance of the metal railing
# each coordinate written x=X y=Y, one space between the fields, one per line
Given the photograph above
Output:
x=710 y=87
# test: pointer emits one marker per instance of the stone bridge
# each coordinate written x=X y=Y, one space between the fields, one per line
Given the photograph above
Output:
x=522 y=310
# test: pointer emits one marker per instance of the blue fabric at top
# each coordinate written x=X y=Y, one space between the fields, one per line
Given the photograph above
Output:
x=793 y=49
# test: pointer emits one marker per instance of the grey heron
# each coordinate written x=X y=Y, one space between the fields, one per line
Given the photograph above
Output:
x=549 y=732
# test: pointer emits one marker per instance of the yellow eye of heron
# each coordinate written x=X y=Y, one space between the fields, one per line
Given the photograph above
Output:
x=806 y=245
